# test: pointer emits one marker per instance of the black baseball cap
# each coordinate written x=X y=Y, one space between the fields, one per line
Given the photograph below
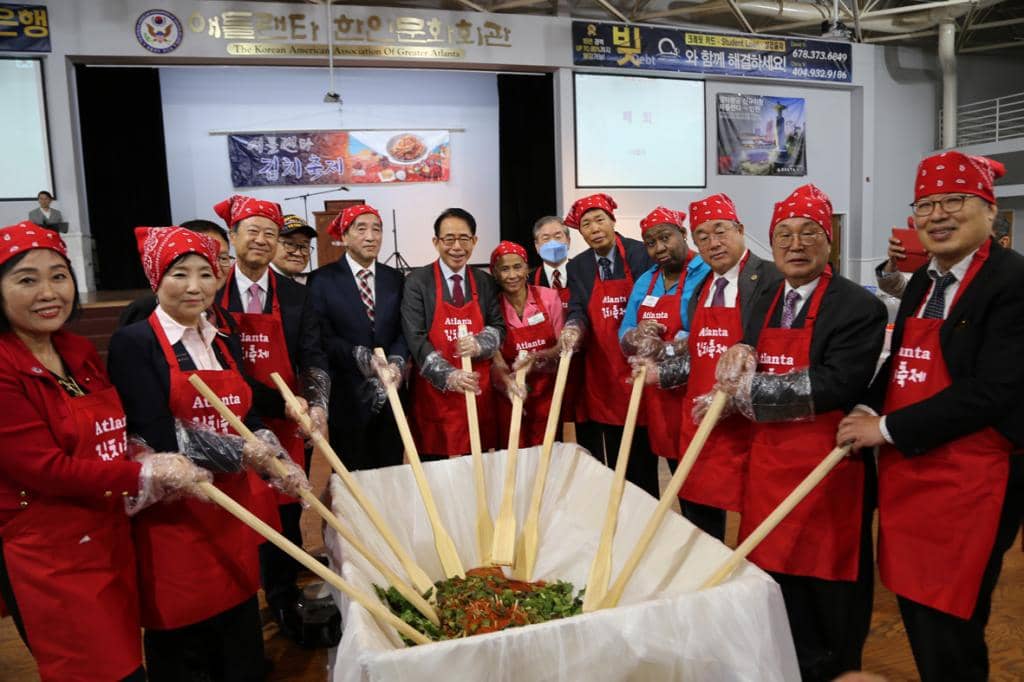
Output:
x=294 y=224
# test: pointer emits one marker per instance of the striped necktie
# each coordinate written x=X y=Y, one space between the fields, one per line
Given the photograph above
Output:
x=366 y=292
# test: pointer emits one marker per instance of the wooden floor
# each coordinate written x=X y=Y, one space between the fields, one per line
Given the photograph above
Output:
x=887 y=652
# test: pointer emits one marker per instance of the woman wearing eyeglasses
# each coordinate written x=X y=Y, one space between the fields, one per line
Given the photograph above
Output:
x=945 y=411
x=438 y=299
x=293 y=249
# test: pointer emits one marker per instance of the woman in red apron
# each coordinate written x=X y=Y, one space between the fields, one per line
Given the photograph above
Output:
x=533 y=319
x=947 y=510
x=67 y=562
x=815 y=354
x=198 y=565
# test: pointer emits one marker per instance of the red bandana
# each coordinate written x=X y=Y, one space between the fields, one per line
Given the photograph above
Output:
x=344 y=220
x=25 y=236
x=161 y=246
x=663 y=216
x=957 y=173
x=602 y=201
x=240 y=207
x=806 y=201
x=715 y=207
x=507 y=248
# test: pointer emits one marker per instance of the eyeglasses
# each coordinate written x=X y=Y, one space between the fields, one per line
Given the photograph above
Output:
x=784 y=240
x=449 y=240
x=949 y=204
x=291 y=247
x=703 y=238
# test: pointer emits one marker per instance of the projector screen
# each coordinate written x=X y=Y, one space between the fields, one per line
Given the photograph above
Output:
x=25 y=163
x=639 y=132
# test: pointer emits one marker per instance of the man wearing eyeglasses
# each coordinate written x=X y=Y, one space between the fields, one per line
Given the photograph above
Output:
x=720 y=314
x=812 y=349
x=293 y=248
x=438 y=299
x=945 y=411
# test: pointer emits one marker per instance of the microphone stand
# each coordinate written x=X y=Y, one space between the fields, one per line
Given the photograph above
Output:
x=305 y=199
x=400 y=262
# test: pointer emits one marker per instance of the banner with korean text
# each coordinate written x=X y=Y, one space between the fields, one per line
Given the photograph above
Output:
x=24 y=28
x=339 y=157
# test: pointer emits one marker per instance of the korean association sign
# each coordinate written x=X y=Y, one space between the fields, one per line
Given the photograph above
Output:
x=655 y=48
x=24 y=28
x=334 y=157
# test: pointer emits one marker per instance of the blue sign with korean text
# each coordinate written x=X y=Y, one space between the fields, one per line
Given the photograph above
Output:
x=24 y=28
x=656 y=48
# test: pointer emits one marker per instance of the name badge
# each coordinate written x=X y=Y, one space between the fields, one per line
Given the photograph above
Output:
x=650 y=301
x=536 y=318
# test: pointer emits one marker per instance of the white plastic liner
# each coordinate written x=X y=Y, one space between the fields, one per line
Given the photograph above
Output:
x=662 y=630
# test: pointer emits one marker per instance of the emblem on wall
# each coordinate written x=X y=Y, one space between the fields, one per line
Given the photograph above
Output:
x=158 y=31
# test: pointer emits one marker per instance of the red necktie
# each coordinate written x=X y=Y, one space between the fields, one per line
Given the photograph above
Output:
x=556 y=279
x=458 y=298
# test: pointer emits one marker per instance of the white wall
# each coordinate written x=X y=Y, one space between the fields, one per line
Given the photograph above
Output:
x=198 y=100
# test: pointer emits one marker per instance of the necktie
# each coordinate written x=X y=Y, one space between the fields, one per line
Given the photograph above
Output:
x=606 y=267
x=458 y=298
x=556 y=279
x=789 y=309
x=936 y=308
x=718 y=300
x=255 y=305
x=366 y=292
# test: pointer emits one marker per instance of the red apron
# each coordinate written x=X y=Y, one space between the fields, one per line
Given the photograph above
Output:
x=534 y=337
x=717 y=476
x=663 y=405
x=72 y=565
x=821 y=537
x=938 y=511
x=605 y=368
x=264 y=351
x=195 y=559
x=572 y=402
x=439 y=417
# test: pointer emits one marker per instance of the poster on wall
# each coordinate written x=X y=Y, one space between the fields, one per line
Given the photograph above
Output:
x=339 y=157
x=759 y=135
x=24 y=28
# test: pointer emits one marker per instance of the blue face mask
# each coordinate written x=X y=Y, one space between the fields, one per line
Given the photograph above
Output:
x=554 y=252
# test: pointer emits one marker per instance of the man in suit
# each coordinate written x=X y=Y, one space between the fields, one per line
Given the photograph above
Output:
x=945 y=411
x=719 y=314
x=293 y=249
x=280 y=333
x=811 y=352
x=437 y=300
x=600 y=281
x=551 y=241
x=358 y=300
x=46 y=216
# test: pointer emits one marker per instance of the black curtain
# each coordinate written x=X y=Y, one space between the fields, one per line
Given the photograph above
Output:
x=526 y=143
x=122 y=127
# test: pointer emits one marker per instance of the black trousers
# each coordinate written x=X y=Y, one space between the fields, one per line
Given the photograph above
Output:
x=602 y=440
x=225 y=648
x=830 y=619
x=368 y=444
x=709 y=519
x=949 y=648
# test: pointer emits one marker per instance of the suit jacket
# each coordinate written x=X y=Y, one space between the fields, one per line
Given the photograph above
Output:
x=757 y=277
x=418 y=300
x=582 y=269
x=139 y=370
x=981 y=340
x=36 y=216
x=345 y=325
x=301 y=335
x=845 y=344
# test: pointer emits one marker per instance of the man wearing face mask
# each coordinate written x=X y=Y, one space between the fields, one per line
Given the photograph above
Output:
x=600 y=281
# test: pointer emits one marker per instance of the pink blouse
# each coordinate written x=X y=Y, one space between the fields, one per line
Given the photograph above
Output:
x=550 y=304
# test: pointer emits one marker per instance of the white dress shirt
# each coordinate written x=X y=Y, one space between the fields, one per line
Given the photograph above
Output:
x=959 y=271
x=372 y=267
x=731 y=291
x=244 y=283
x=446 y=274
x=198 y=342
x=549 y=272
x=805 y=291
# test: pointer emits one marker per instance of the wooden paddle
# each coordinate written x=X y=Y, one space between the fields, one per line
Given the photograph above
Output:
x=772 y=520
x=371 y=604
x=449 y=556
x=503 y=552
x=334 y=522
x=526 y=547
x=484 y=525
x=670 y=495
x=601 y=568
